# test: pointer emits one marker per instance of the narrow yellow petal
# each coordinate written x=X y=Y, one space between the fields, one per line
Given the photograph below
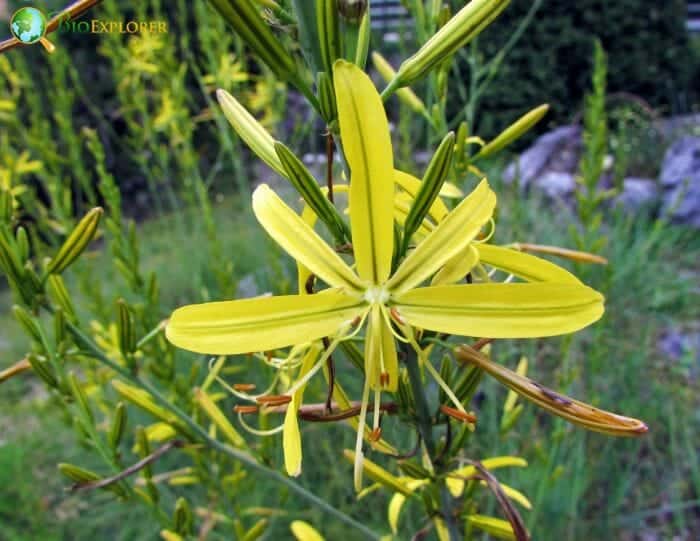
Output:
x=528 y=267
x=515 y=495
x=457 y=267
x=380 y=475
x=497 y=527
x=455 y=479
x=291 y=436
x=303 y=273
x=567 y=408
x=305 y=532
x=367 y=145
x=380 y=354
x=450 y=237
x=260 y=324
x=395 y=506
x=443 y=533
x=573 y=255
x=502 y=310
x=300 y=241
x=218 y=418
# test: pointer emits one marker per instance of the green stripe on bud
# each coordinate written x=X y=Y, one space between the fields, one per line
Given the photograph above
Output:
x=81 y=475
x=309 y=189
x=22 y=243
x=326 y=96
x=79 y=395
x=364 y=34
x=59 y=294
x=43 y=370
x=435 y=176
x=116 y=432
x=6 y=206
x=125 y=329
x=513 y=132
x=29 y=323
x=59 y=326
x=328 y=32
x=182 y=518
x=414 y=470
x=459 y=30
x=76 y=242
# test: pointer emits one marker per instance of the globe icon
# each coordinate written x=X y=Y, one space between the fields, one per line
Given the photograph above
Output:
x=28 y=25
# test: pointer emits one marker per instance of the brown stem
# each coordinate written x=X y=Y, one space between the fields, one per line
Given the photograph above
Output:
x=131 y=469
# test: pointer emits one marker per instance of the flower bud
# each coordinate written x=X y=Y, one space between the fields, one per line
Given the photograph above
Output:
x=182 y=519
x=116 y=432
x=328 y=32
x=309 y=189
x=76 y=242
x=80 y=397
x=326 y=98
x=457 y=32
x=250 y=130
x=212 y=411
x=43 y=370
x=59 y=294
x=29 y=323
x=81 y=475
x=125 y=328
x=514 y=131
x=22 y=243
x=352 y=10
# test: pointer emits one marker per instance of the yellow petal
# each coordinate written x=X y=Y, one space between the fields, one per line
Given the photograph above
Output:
x=260 y=324
x=301 y=241
x=380 y=475
x=496 y=527
x=380 y=353
x=457 y=267
x=455 y=479
x=291 y=436
x=443 y=533
x=411 y=185
x=218 y=418
x=573 y=255
x=450 y=237
x=528 y=267
x=567 y=408
x=367 y=145
x=515 y=495
x=502 y=310
x=451 y=191
x=305 y=532
x=303 y=273
x=394 y=511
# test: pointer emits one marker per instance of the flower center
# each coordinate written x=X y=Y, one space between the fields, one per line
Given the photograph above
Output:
x=376 y=295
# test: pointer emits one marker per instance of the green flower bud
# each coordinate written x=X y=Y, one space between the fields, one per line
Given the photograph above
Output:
x=309 y=189
x=76 y=242
x=29 y=323
x=118 y=428
x=81 y=475
x=22 y=243
x=59 y=294
x=6 y=206
x=125 y=328
x=514 y=131
x=257 y=530
x=79 y=395
x=328 y=32
x=434 y=178
x=326 y=98
x=182 y=519
x=457 y=32
x=43 y=370
x=352 y=10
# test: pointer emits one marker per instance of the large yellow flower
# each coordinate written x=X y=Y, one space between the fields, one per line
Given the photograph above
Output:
x=552 y=303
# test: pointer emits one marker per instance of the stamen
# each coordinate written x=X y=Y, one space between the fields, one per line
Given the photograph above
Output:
x=245 y=409
x=388 y=319
x=377 y=410
x=376 y=434
x=244 y=387
x=459 y=415
x=396 y=316
x=487 y=237
x=384 y=379
x=274 y=400
x=257 y=431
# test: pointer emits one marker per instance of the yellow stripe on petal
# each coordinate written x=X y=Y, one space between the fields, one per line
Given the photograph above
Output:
x=528 y=267
x=291 y=436
x=502 y=310
x=260 y=324
x=301 y=241
x=367 y=145
x=448 y=239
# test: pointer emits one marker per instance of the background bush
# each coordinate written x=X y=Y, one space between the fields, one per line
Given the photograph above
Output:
x=647 y=44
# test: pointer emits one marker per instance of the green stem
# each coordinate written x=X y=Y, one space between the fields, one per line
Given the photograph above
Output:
x=85 y=342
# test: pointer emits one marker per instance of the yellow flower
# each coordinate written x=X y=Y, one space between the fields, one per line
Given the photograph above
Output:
x=373 y=292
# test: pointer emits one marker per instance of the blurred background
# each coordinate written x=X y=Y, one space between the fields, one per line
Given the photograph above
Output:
x=137 y=114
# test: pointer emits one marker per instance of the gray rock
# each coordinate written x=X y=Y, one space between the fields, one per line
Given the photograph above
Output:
x=247 y=287
x=680 y=180
x=638 y=193
x=545 y=149
x=555 y=185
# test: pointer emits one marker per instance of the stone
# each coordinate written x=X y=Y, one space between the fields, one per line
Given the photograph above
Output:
x=555 y=185
x=638 y=193
x=547 y=148
x=680 y=180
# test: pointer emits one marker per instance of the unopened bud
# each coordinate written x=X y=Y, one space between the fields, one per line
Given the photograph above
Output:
x=76 y=242
x=352 y=10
